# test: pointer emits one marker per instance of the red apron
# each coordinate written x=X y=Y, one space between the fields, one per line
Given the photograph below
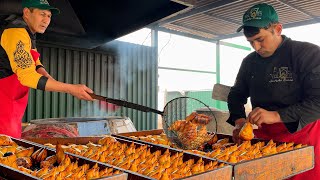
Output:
x=307 y=135
x=13 y=103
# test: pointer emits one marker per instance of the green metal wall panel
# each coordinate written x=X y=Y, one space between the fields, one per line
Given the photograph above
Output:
x=206 y=98
x=124 y=71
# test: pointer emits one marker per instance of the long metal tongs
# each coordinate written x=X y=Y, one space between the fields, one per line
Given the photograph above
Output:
x=125 y=104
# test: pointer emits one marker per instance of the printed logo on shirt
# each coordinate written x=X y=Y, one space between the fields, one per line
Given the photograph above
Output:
x=281 y=74
x=22 y=57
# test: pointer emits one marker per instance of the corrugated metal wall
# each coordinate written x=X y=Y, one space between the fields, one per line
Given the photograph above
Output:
x=124 y=71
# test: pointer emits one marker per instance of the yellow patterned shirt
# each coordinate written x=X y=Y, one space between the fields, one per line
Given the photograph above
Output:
x=17 y=42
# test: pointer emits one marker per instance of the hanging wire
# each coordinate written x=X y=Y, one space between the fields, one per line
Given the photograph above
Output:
x=146 y=38
x=163 y=48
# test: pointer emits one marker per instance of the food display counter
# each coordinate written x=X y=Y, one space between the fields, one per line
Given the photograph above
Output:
x=276 y=163
x=219 y=170
x=21 y=159
x=280 y=165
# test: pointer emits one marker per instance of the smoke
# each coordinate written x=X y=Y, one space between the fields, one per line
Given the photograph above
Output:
x=97 y=109
x=134 y=63
x=127 y=72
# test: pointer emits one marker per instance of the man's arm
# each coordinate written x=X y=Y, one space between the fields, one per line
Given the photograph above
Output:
x=78 y=90
x=16 y=43
x=238 y=95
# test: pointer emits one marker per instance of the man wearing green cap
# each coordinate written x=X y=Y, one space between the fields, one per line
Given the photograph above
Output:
x=282 y=78
x=20 y=66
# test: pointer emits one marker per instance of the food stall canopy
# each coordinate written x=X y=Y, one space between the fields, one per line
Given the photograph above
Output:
x=89 y=24
x=213 y=20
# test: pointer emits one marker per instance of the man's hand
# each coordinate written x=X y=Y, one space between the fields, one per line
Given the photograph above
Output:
x=259 y=116
x=80 y=91
x=235 y=134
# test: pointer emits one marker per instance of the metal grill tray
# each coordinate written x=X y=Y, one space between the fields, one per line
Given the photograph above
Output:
x=224 y=173
x=7 y=172
x=277 y=166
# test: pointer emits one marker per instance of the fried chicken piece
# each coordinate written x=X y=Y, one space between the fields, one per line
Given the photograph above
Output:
x=5 y=149
x=24 y=162
x=196 y=169
x=191 y=116
x=246 y=132
x=41 y=172
x=299 y=146
x=232 y=159
x=105 y=172
x=50 y=145
x=192 y=132
x=200 y=119
x=24 y=169
x=177 y=125
x=107 y=140
x=209 y=166
x=60 y=153
x=35 y=154
x=214 y=153
x=165 y=176
x=49 y=161
x=220 y=143
x=42 y=155
x=25 y=152
x=213 y=140
x=281 y=147
x=92 y=173
x=244 y=145
x=133 y=166
x=9 y=161
x=5 y=140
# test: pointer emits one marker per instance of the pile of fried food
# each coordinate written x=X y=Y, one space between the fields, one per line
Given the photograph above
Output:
x=140 y=159
x=156 y=139
x=192 y=132
x=233 y=153
x=39 y=164
x=225 y=150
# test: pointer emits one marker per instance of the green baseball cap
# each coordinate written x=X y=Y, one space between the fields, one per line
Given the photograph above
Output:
x=40 y=4
x=259 y=15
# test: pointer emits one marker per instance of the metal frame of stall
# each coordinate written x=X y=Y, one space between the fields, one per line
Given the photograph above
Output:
x=219 y=43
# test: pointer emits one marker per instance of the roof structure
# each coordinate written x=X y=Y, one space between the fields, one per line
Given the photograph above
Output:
x=90 y=24
x=213 y=20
